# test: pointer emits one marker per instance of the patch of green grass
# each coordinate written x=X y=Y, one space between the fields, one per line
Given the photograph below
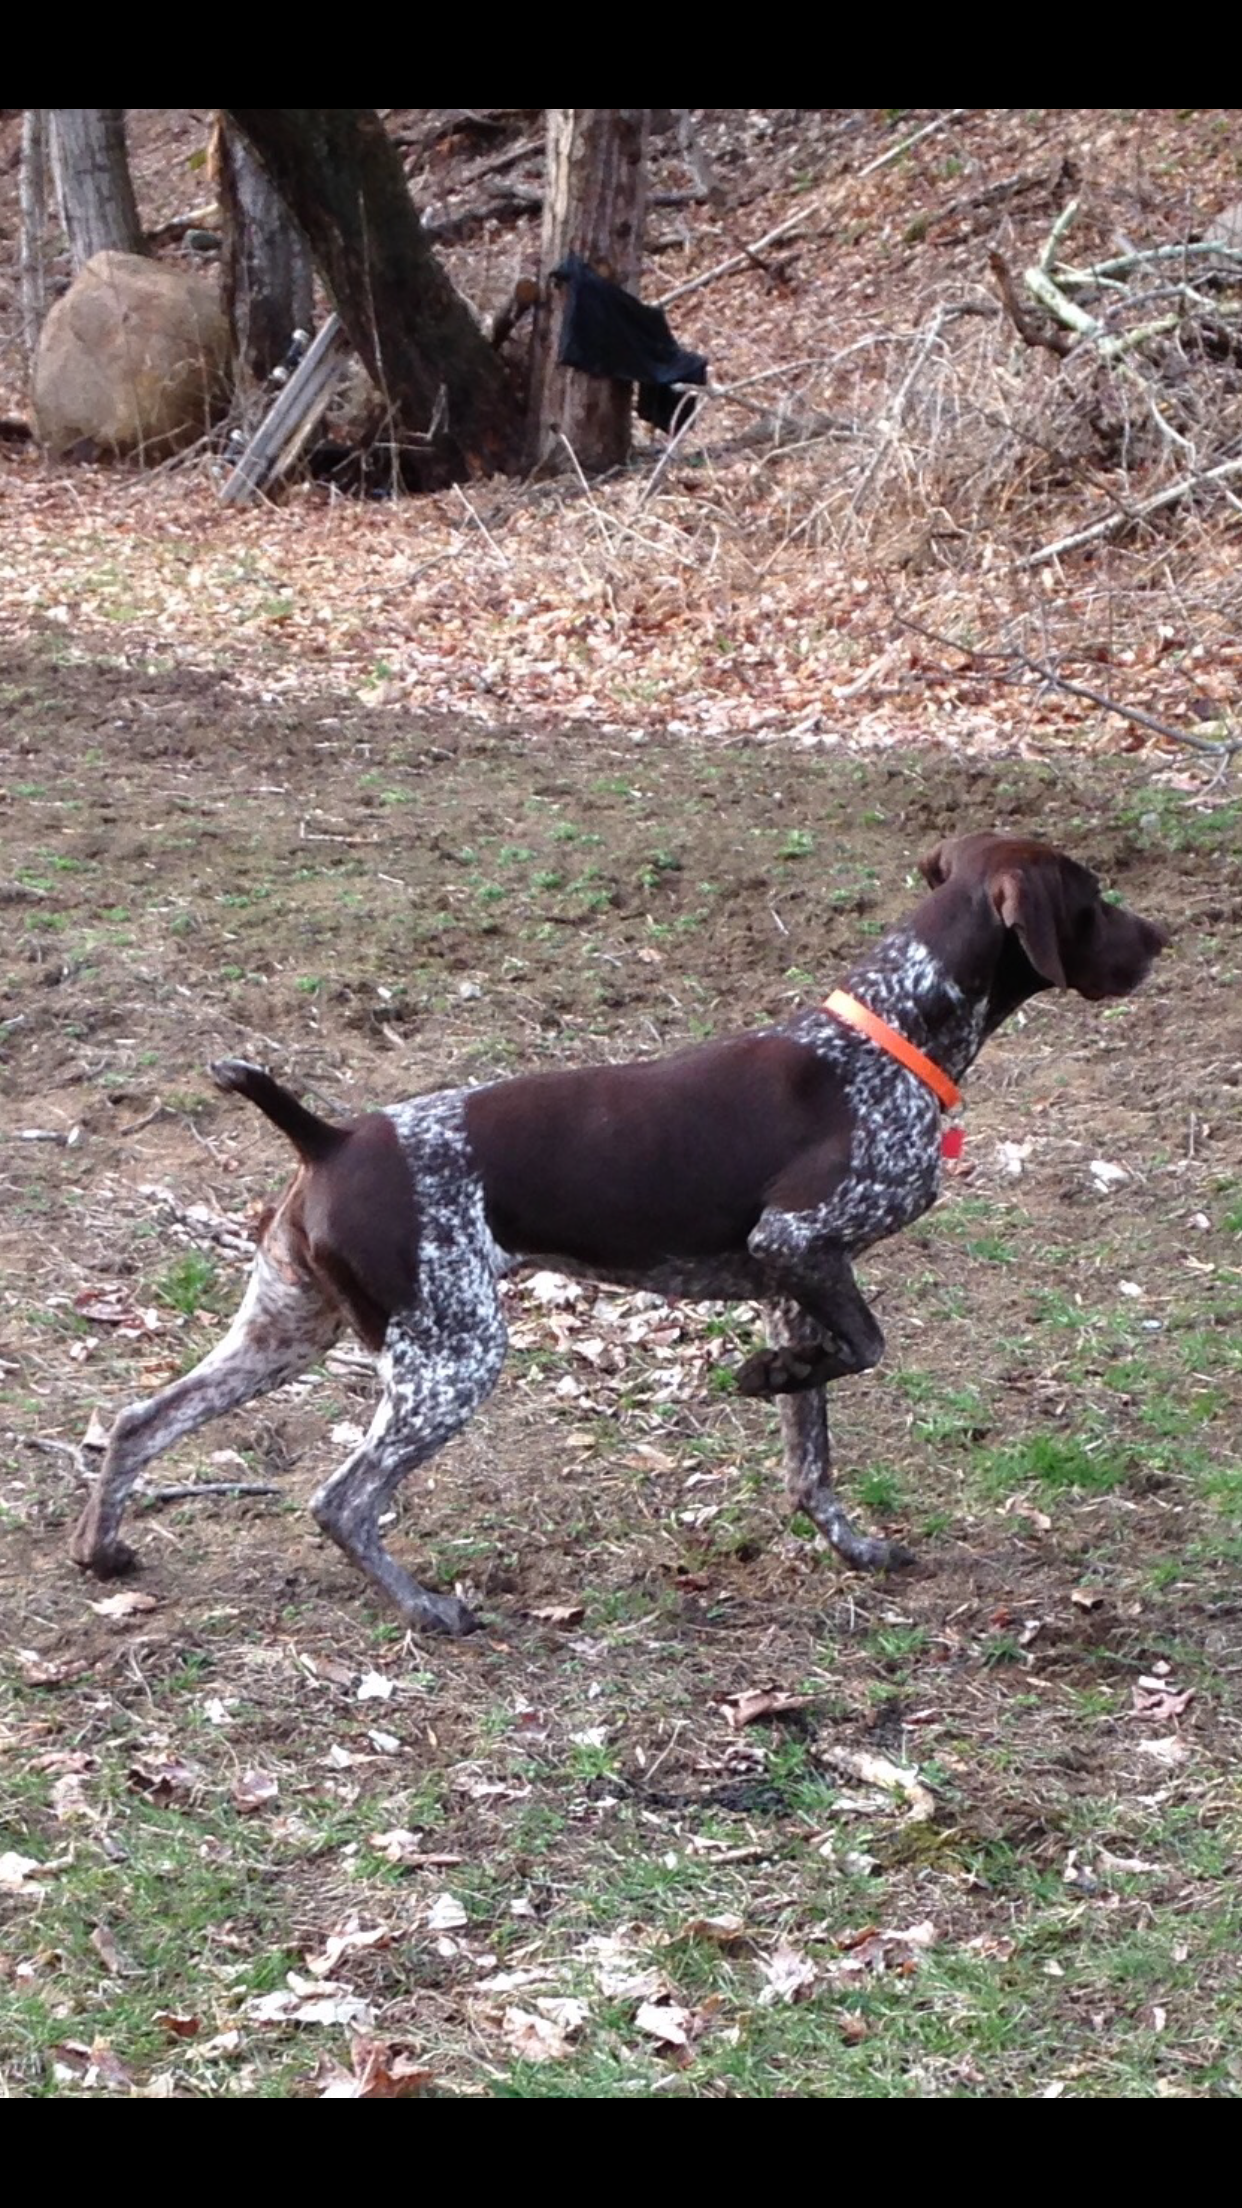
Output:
x=880 y=1489
x=1055 y=1461
x=188 y=1283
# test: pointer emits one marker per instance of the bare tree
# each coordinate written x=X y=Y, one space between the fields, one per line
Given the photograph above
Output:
x=594 y=205
x=32 y=193
x=341 y=177
x=93 y=182
x=265 y=267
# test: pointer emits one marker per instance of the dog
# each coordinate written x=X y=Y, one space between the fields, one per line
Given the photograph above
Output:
x=758 y=1166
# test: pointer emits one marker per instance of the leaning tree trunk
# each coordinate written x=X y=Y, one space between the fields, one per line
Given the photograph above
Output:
x=266 y=279
x=93 y=181
x=341 y=178
x=595 y=203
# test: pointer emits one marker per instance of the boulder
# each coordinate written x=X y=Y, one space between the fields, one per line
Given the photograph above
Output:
x=132 y=359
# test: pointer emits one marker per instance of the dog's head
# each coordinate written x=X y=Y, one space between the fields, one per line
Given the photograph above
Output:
x=1057 y=924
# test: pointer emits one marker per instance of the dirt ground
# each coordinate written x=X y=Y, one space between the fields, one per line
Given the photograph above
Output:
x=374 y=905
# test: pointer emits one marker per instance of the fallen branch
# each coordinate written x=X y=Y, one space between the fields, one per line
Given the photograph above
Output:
x=187 y=1491
x=1126 y=516
x=744 y=259
x=1102 y=271
x=1215 y=747
x=894 y=153
x=1033 y=329
x=1014 y=661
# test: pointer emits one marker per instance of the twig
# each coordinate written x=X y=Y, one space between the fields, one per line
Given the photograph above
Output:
x=675 y=441
x=1015 y=658
x=1214 y=747
x=744 y=259
x=1125 y=516
x=489 y=540
x=1040 y=285
x=951 y=115
x=1030 y=327
x=596 y=515
x=188 y=1490
x=1055 y=235
x=890 y=421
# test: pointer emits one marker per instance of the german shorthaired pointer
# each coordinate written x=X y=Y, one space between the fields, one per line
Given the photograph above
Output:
x=754 y=1167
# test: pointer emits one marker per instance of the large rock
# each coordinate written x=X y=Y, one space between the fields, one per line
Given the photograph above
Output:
x=132 y=359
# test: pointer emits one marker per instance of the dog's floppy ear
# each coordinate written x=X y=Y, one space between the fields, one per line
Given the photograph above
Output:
x=937 y=866
x=1027 y=904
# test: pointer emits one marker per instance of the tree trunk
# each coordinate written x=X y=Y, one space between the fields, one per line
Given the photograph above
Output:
x=342 y=179
x=93 y=181
x=265 y=267
x=595 y=202
x=32 y=195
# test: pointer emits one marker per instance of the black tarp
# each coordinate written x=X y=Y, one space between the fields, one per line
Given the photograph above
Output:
x=606 y=331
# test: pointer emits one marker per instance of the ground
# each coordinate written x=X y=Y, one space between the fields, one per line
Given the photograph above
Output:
x=394 y=795
x=375 y=905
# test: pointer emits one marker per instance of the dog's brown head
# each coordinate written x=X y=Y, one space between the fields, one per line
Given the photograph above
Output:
x=1059 y=933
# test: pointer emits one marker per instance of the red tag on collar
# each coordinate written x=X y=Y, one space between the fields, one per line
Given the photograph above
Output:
x=952 y=1142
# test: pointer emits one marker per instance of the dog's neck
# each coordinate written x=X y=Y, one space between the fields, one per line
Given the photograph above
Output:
x=907 y=984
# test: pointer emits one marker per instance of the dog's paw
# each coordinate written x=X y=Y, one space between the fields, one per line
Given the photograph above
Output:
x=106 y=1559
x=780 y=1372
x=869 y=1552
x=446 y=1614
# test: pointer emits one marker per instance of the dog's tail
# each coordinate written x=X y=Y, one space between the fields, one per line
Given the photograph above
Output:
x=313 y=1139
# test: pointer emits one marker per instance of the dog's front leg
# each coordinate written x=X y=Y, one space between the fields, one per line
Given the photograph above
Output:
x=814 y=1277
x=822 y=1328
x=808 y=1450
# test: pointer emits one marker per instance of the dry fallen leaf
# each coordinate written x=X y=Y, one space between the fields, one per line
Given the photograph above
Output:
x=788 y=1975
x=69 y=1798
x=93 y=2065
x=381 y=2072
x=103 y=1940
x=164 y=1778
x=618 y=1970
x=401 y=1846
x=1170 y=1750
x=666 y=2021
x=222 y=2043
x=50 y=1671
x=892 y=1778
x=722 y=1931
x=18 y=1871
x=546 y=2032
x=254 y=1790
x=756 y=1702
x=446 y=1914
x=323 y=2005
x=131 y=1602
x=1153 y=1700
x=104 y=1309
x=560 y=1613
x=351 y=1936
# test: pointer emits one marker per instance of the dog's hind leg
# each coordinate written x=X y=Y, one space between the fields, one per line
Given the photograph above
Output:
x=283 y=1325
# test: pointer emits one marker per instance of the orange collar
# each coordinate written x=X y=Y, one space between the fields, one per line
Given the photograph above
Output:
x=847 y=1008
